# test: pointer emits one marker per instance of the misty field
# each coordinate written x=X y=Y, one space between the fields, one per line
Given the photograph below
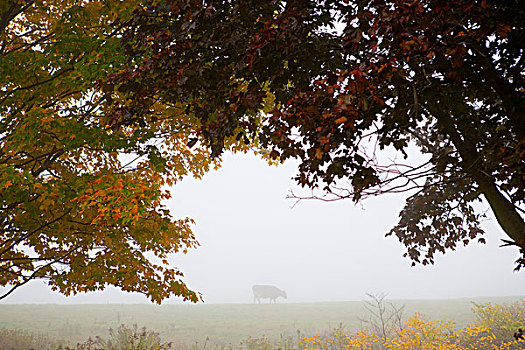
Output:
x=220 y=324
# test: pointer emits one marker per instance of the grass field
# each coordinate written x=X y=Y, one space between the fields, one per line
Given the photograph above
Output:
x=222 y=324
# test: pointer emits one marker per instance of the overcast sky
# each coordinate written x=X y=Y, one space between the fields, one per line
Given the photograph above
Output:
x=316 y=251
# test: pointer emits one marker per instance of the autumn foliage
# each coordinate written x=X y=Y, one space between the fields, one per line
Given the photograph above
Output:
x=103 y=104
x=493 y=331
x=333 y=83
x=81 y=203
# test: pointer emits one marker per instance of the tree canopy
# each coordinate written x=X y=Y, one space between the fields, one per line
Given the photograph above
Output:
x=346 y=79
x=105 y=103
x=81 y=202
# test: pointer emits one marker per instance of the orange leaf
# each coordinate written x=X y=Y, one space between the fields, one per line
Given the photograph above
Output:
x=341 y=120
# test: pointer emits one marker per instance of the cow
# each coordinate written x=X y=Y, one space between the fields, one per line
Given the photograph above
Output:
x=267 y=292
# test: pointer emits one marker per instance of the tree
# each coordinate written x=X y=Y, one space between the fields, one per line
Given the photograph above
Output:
x=443 y=76
x=102 y=103
x=81 y=200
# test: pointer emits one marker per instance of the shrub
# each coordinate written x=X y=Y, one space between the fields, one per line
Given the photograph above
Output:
x=494 y=330
x=338 y=339
x=418 y=333
x=495 y=327
x=415 y=333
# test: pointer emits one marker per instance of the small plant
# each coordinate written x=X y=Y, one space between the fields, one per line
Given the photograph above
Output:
x=263 y=343
x=127 y=338
x=17 y=339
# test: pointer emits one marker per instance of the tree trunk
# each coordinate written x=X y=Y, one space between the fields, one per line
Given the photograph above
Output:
x=504 y=210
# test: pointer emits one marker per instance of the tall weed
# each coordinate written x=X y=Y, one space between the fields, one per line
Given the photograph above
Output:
x=18 y=339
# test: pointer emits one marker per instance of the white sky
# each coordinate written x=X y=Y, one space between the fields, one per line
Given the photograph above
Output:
x=317 y=251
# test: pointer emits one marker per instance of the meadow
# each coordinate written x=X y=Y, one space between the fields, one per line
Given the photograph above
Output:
x=221 y=324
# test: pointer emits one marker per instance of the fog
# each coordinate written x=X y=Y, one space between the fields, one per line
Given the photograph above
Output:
x=316 y=251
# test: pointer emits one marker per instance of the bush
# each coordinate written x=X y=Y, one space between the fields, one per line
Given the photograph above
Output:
x=494 y=330
x=415 y=333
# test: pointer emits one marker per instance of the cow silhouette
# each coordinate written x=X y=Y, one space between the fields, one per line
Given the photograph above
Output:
x=267 y=292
